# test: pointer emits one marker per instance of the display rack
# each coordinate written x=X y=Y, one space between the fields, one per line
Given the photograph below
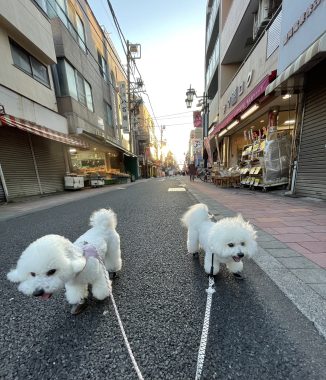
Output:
x=264 y=163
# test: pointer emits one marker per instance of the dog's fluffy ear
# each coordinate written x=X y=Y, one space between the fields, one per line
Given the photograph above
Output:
x=15 y=276
x=78 y=264
x=240 y=218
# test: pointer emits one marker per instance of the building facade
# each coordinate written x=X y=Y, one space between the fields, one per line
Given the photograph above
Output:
x=264 y=63
x=63 y=99
x=90 y=87
x=34 y=138
x=301 y=68
x=251 y=133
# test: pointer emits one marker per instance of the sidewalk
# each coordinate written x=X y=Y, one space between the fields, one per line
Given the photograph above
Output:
x=291 y=237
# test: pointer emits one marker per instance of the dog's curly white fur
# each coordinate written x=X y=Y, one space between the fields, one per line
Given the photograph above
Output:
x=229 y=239
x=52 y=262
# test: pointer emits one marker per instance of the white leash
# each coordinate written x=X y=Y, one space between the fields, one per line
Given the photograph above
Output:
x=140 y=376
x=203 y=340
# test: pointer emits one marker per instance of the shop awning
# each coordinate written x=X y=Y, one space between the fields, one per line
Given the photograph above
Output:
x=296 y=81
x=27 y=126
x=257 y=92
x=108 y=143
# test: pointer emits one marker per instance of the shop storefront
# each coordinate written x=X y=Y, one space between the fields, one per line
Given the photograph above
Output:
x=104 y=158
x=253 y=145
x=260 y=150
x=33 y=158
x=302 y=63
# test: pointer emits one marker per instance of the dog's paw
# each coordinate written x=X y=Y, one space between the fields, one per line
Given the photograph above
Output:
x=238 y=276
x=79 y=307
x=113 y=275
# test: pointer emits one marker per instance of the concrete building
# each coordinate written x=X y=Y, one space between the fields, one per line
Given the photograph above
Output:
x=63 y=98
x=301 y=69
x=89 y=81
x=34 y=138
x=147 y=144
x=264 y=62
x=250 y=133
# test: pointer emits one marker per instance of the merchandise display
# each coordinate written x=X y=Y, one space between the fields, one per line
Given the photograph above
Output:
x=225 y=177
x=265 y=162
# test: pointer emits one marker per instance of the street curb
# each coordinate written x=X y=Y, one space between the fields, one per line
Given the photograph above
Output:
x=311 y=304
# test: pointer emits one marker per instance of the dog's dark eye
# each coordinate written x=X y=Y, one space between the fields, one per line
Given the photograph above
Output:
x=242 y=243
x=51 y=272
x=231 y=245
x=33 y=274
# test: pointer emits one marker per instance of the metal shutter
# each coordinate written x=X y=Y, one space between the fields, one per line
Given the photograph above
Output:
x=2 y=193
x=17 y=163
x=311 y=177
x=49 y=156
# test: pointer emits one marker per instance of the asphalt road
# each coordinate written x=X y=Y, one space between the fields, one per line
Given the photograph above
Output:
x=255 y=331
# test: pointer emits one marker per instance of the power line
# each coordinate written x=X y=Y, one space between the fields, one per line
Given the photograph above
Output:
x=171 y=125
x=159 y=117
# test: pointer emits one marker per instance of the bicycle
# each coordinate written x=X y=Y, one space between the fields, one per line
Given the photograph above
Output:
x=205 y=175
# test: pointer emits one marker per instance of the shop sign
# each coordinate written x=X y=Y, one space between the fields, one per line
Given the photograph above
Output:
x=196 y=143
x=124 y=106
x=238 y=92
x=301 y=26
x=300 y=21
x=197 y=119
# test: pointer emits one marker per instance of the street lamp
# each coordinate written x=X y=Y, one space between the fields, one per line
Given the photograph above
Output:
x=190 y=96
x=203 y=102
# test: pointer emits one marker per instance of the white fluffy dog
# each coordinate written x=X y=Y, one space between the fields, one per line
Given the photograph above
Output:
x=52 y=262
x=226 y=241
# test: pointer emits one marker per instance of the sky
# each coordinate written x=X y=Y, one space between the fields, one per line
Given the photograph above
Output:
x=172 y=38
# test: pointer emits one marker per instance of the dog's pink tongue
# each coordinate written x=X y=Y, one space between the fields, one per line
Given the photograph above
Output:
x=46 y=296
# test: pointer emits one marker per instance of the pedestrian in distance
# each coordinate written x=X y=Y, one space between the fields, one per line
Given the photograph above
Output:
x=192 y=171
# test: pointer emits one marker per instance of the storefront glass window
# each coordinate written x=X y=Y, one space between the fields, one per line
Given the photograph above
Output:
x=87 y=162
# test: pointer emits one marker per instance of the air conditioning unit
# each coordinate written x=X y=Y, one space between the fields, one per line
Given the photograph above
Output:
x=261 y=18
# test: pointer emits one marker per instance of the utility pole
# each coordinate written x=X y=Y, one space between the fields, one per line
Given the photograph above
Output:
x=162 y=128
x=131 y=140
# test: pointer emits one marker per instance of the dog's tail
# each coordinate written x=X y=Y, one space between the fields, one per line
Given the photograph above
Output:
x=195 y=215
x=103 y=219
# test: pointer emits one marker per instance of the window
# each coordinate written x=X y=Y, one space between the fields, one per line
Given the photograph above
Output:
x=66 y=11
x=103 y=66
x=72 y=83
x=89 y=98
x=30 y=65
x=42 y=4
x=81 y=33
x=61 y=11
x=109 y=115
x=80 y=88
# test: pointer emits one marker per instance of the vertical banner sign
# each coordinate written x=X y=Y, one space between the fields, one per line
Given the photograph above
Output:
x=197 y=144
x=208 y=150
x=124 y=107
x=197 y=119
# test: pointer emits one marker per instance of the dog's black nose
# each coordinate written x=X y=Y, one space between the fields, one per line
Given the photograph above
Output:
x=38 y=292
x=240 y=254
